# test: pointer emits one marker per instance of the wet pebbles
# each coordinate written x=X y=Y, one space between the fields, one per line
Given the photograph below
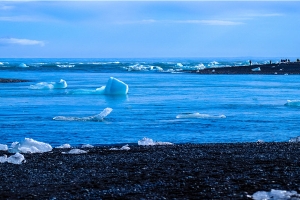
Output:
x=188 y=171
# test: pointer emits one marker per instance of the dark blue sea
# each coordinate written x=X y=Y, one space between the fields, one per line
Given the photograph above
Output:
x=165 y=102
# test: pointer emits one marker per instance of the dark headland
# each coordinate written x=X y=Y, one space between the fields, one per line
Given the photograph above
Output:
x=281 y=68
x=11 y=80
x=188 y=171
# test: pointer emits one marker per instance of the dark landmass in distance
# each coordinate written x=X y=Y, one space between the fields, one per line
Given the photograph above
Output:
x=187 y=171
x=282 y=68
x=11 y=80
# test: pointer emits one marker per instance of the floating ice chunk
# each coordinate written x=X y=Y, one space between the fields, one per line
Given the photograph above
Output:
x=179 y=65
x=75 y=151
x=115 y=86
x=198 y=115
x=23 y=65
x=51 y=85
x=65 y=66
x=3 y=147
x=96 y=118
x=16 y=159
x=29 y=145
x=64 y=146
x=149 y=142
x=293 y=103
x=87 y=146
x=275 y=194
x=257 y=69
x=125 y=147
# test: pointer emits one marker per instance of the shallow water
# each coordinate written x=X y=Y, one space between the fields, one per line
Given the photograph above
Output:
x=253 y=106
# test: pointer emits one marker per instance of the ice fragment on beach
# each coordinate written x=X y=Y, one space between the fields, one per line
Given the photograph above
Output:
x=16 y=159
x=293 y=103
x=29 y=145
x=257 y=69
x=198 y=115
x=125 y=147
x=51 y=85
x=64 y=146
x=75 y=151
x=3 y=147
x=98 y=117
x=275 y=194
x=149 y=142
x=87 y=146
x=295 y=139
x=3 y=159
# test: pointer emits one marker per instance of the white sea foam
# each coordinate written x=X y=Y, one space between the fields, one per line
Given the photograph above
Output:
x=198 y=115
x=293 y=103
x=276 y=194
x=125 y=147
x=65 y=66
x=64 y=146
x=149 y=142
x=3 y=147
x=29 y=145
x=75 y=151
x=98 y=117
x=51 y=85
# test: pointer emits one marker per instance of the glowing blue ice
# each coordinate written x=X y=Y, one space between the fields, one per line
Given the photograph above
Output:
x=293 y=103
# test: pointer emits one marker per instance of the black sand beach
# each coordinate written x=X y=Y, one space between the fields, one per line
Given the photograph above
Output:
x=189 y=171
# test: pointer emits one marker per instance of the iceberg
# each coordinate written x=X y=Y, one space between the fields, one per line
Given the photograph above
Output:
x=198 y=115
x=113 y=87
x=149 y=142
x=64 y=146
x=276 y=194
x=3 y=147
x=23 y=65
x=87 y=146
x=96 y=118
x=51 y=85
x=29 y=145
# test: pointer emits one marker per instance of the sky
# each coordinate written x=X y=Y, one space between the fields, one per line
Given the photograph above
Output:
x=146 y=29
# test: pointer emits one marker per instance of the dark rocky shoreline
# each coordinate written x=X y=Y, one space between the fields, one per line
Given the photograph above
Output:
x=286 y=68
x=11 y=80
x=188 y=171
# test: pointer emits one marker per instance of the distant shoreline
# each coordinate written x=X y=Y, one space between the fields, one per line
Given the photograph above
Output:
x=11 y=80
x=282 y=68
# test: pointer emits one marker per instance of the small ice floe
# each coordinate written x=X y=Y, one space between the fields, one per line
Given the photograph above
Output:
x=14 y=159
x=295 y=139
x=293 y=103
x=257 y=69
x=149 y=142
x=125 y=147
x=23 y=65
x=87 y=146
x=49 y=85
x=96 y=118
x=198 y=115
x=65 y=66
x=3 y=147
x=29 y=145
x=75 y=151
x=64 y=146
x=113 y=87
x=275 y=194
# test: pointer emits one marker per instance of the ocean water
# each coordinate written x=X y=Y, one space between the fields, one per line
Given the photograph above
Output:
x=165 y=102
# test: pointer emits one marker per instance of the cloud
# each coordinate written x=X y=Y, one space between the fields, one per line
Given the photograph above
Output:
x=18 y=41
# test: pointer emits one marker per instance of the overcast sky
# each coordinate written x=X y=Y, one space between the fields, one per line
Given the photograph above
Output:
x=139 y=29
